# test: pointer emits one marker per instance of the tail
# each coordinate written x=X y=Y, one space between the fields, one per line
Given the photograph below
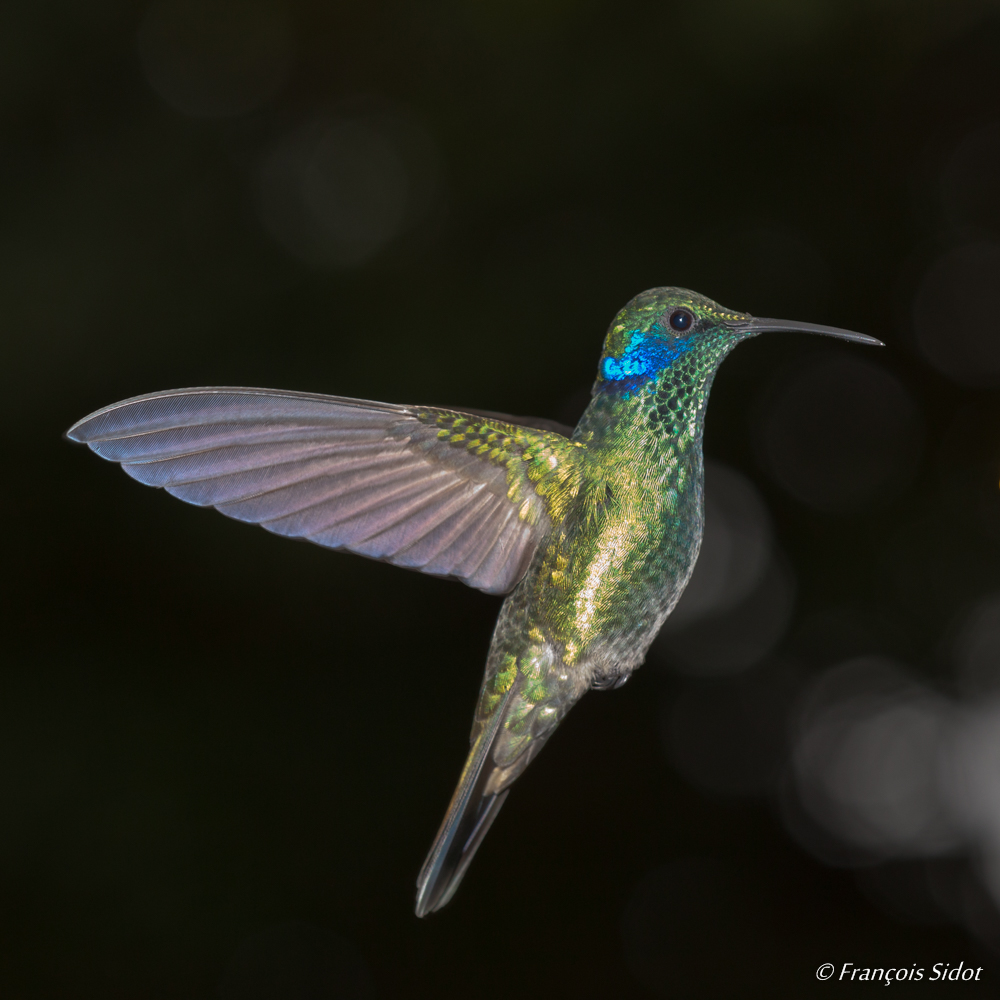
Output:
x=513 y=732
x=481 y=792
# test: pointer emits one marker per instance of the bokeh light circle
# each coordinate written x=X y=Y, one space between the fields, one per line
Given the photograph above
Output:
x=340 y=188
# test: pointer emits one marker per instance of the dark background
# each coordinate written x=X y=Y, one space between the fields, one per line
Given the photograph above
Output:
x=223 y=756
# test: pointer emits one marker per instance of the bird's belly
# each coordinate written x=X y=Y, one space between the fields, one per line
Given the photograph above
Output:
x=607 y=603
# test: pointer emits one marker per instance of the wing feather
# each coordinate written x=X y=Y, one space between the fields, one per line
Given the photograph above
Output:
x=447 y=492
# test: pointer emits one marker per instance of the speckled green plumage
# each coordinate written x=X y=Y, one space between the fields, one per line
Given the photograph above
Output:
x=601 y=586
x=542 y=477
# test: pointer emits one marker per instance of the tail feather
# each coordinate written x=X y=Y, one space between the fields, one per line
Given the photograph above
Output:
x=472 y=810
x=517 y=729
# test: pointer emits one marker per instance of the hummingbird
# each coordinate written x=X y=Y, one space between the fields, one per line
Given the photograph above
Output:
x=592 y=532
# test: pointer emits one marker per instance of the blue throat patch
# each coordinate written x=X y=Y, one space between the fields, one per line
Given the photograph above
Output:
x=642 y=360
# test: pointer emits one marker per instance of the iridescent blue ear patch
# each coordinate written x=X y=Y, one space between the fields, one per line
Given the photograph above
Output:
x=643 y=358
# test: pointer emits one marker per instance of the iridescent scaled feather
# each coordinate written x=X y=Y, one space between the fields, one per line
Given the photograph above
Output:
x=593 y=532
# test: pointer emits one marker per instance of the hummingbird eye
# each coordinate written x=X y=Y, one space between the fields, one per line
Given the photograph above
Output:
x=681 y=320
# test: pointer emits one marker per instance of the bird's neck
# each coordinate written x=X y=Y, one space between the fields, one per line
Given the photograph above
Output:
x=642 y=421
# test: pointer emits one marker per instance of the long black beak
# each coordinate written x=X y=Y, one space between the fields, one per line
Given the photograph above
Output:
x=754 y=326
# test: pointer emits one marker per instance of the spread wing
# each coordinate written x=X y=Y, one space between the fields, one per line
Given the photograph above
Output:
x=449 y=493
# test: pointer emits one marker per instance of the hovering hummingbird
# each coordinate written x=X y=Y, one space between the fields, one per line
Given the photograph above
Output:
x=593 y=532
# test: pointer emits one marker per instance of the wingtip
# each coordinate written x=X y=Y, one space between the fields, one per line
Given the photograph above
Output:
x=73 y=434
x=79 y=434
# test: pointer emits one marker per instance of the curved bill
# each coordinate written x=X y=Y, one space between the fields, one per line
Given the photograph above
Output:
x=753 y=326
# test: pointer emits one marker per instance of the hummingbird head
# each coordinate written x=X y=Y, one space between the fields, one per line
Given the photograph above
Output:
x=666 y=328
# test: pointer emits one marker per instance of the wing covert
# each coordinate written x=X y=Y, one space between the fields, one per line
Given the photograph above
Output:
x=442 y=491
